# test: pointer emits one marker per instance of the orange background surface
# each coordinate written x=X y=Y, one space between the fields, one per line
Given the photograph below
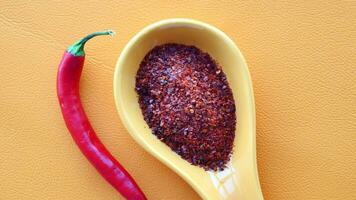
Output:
x=302 y=59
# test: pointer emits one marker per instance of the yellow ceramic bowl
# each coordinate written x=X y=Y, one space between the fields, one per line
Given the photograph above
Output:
x=240 y=179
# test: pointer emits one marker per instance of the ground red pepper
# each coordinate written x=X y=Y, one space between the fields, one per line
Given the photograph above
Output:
x=187 y=102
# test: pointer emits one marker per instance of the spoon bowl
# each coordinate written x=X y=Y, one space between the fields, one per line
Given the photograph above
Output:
x=239 y=180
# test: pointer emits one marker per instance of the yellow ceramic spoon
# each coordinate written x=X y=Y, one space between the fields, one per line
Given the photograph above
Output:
x=239 y=180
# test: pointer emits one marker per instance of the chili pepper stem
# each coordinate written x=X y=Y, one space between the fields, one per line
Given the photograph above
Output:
x=77 y=49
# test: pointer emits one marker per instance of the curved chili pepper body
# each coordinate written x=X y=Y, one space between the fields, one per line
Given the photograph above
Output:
x=68 y=77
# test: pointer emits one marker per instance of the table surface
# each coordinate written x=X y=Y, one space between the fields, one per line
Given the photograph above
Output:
x=302 y=61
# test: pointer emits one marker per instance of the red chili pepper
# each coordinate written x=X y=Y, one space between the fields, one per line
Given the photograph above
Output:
x=68 y=77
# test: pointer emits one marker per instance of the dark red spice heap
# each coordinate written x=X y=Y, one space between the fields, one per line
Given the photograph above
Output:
x=188 y=104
